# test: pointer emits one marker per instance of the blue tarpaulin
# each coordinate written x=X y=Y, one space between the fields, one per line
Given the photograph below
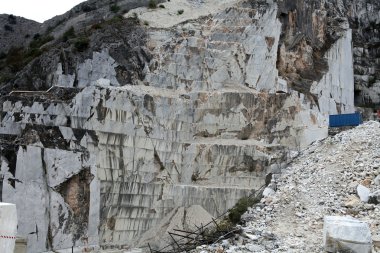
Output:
x=349 y=119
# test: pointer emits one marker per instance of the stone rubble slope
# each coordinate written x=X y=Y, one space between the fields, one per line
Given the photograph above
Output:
x=322 y=180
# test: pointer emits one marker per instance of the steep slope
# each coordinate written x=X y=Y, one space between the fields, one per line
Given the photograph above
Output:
x=116 y=124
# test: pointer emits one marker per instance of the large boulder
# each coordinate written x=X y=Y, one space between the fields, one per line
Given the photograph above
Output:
x=346 y=234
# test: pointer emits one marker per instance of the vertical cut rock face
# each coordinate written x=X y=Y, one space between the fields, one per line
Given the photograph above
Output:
x=192 y=115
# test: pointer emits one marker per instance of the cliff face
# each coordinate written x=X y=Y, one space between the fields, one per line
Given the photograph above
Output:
x=115 y=126
x=364 y=18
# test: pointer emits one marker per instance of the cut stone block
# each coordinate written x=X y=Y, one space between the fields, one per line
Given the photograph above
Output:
x=346 y=234
x=8 y=227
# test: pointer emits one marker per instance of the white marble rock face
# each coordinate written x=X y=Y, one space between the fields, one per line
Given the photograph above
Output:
x=210 y=120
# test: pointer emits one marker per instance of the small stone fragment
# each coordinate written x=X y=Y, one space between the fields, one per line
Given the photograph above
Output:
x=377 y=180
x=366 y=182
x=352 y=201
x=268 y=192
x=363 y=193
x=374 y=198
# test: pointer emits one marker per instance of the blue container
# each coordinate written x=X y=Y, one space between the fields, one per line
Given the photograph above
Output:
x=341 y=120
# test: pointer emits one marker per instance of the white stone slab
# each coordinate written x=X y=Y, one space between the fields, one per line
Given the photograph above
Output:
x=346 y=234
x=8 y=227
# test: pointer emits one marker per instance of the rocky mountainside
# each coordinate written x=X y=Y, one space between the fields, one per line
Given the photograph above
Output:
x=336 y=176
x=16 y=32
x=120 y=116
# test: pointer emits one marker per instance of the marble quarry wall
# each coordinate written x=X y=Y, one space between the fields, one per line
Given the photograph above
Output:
x=95 y=161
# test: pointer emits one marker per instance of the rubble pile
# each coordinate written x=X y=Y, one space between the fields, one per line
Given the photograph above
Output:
x=337 y=176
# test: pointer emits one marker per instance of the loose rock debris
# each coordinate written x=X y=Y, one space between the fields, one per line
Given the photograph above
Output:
x=337 y=176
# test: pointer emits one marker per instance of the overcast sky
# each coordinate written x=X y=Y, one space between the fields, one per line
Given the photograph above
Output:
x=38 y=10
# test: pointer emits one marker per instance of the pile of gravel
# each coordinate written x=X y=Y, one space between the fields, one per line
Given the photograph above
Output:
x=331 y=177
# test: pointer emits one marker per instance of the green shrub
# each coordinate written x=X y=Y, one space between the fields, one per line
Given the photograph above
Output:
x=15 y=58
x=33 y=53
x=240 y=208
x=87 y=8
x=114 y=20
x=39 y=40
x=114 y=8
x=96 y=26
x=8 y=28
x=69 y=34
x=12 y=19
x=152 y=4
x=81 y=44
x=162 y=6
x=180 y=12
x=36 y=36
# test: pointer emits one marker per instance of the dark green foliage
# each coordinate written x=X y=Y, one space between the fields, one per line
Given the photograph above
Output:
x=69 y=34
x=152 y=4
x=18 y=57
x=15 y=58
x=36 y=36
x=240 y=208
x=114 y=8
x=39 y=40
x=180 y=12
x=82 y=43
x=96 y=26
x=8 y=28
x=5 y=77
x=34 y=52
x=116 y=19
x=87 y=8
x=162 y=6
x=12 y=19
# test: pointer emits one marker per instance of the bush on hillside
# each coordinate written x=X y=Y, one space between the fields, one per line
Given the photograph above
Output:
x=81 y=44
x=114 y=8
x=152 y=4
x=69 y=34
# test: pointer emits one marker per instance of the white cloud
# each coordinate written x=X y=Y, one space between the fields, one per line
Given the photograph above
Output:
x=39 y=10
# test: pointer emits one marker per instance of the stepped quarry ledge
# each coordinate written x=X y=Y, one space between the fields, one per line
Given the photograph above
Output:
x=209 y=120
